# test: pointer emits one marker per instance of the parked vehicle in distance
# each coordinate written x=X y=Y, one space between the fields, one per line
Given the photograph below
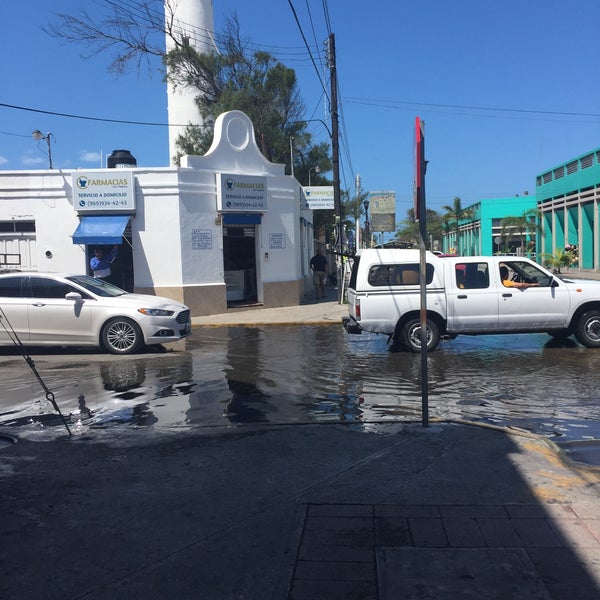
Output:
x=51 y=309
x=467 y=295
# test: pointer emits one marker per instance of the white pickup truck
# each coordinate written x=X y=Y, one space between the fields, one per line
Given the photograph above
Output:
x=467 y=295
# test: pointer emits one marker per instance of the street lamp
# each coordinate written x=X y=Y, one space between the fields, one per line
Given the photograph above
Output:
x=367 y=235
x=38 y=135
x=316 y=169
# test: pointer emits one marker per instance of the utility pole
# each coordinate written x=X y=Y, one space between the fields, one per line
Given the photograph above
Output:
x=335 y=158
x=357 y=219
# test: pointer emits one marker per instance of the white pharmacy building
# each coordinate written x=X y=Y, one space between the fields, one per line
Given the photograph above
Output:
x=225 y=229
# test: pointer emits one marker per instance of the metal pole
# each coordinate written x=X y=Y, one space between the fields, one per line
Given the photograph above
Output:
x=335 y=157
x=422 y=212
x=357 y=220
x=49 y=149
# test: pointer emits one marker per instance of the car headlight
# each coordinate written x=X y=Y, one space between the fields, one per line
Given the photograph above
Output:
x=156 y=312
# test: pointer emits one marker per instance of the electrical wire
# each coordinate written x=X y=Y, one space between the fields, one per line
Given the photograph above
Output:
x=309 y=51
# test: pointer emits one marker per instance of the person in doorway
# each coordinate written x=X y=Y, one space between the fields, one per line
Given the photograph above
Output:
x=318 y=265
x=100 y=264
x=507 y=282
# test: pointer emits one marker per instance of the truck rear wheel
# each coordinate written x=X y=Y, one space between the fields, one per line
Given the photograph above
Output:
x=410 y=335
x=587 y=330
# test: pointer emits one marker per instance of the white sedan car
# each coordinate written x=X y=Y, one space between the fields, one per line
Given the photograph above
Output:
x=49 y=309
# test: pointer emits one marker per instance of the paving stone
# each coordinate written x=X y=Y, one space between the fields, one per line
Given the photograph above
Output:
x=562 y=569
x=340 y=553
x=452 y=573
x=463 y=532
x=499 y=533
x=333 y=590
x=339 y=538
x=526 y=511
x=471 y=510
x=332 y=523
x=335 y=570
x=593 y=525
x=428 y=533
x=340 y=510
x=392 y=531
x=575 y=533
x=401 y=510
x=536 y=532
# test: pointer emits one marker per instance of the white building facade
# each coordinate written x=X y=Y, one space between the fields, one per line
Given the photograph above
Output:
x=224 y=229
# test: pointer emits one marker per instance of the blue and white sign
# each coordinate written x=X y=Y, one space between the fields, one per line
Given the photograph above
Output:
x=241 y=193
x=319 y=197
x=106 y=191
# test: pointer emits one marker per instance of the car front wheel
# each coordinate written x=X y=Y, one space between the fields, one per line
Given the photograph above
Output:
x=121 y=336
x=587 y=330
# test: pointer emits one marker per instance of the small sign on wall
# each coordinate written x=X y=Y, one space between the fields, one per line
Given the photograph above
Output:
x=245 y=193
x=277 y=241
x=201 y=239
x=108 y=191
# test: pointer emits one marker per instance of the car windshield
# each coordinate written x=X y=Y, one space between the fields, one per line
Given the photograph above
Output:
x=96 y=286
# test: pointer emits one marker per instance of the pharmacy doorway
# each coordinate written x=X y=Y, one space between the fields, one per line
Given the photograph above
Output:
x=239 y=257
x=122 y=266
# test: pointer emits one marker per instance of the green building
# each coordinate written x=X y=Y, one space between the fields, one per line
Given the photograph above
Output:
x=484 y=233
x=568 y=198
x=567 y=205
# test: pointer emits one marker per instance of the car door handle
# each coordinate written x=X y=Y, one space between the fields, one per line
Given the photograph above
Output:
x=461 y=296
x=38 y=304
x=507 y=295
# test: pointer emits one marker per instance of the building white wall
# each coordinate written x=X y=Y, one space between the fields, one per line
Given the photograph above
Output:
x=172 y=204
x=44 y=197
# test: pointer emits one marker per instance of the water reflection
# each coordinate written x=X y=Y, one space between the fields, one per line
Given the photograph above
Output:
x=236 y=375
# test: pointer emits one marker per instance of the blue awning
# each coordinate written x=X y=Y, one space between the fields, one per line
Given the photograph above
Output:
x=101 y=229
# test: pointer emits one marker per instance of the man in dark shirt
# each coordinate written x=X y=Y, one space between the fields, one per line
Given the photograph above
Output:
x=318 y=265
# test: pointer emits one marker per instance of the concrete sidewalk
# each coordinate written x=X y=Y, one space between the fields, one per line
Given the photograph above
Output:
x=297 y=512
x=313 y=313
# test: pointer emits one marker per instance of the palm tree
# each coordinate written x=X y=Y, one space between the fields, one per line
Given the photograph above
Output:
x=522 y=225
x=454 y=214
x=562 y=258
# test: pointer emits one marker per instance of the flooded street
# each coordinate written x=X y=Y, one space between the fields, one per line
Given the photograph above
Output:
x=300 y=374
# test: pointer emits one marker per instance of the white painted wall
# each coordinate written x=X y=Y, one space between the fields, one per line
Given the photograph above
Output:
x=170 y=204
x=44 y=196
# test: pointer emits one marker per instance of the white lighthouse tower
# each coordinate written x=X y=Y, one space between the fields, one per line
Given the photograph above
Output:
x=193 y=21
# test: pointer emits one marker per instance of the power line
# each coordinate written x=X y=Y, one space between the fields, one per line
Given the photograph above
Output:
x=87 y=118
x=399 y=103
x=308 y=48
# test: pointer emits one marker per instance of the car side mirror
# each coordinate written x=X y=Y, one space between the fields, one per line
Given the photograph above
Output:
x=74 y=296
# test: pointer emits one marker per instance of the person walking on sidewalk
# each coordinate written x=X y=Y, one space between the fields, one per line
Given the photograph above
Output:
x=318 y=265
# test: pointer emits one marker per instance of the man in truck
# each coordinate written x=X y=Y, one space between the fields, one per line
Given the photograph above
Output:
x=508 y=282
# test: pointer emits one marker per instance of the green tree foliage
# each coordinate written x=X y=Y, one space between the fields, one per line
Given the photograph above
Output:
x=522 y=225
x=454 y=214
x=561 y=258
x=231 y=78
x=408 y=229
x=235 y=79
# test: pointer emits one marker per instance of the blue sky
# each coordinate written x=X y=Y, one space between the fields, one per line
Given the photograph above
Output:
x=506 y=90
